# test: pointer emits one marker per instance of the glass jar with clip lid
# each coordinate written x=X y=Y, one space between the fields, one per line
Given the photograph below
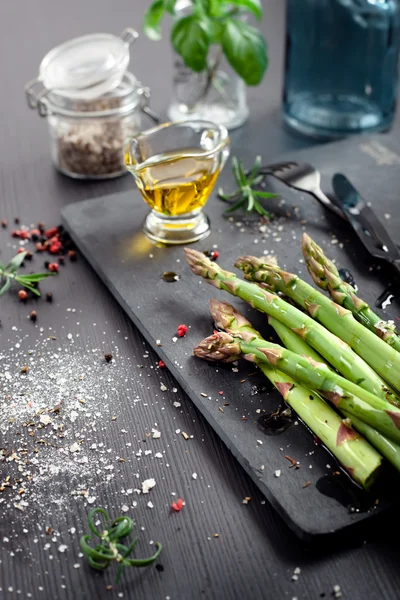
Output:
x=92 y=103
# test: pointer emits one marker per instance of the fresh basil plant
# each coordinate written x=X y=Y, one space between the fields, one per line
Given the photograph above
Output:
x=214 y=22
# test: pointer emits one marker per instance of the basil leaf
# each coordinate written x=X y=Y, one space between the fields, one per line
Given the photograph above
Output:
x=152 y=19
x=253 y=6
x=190 y=38
x=170 y=6
x=246 y=50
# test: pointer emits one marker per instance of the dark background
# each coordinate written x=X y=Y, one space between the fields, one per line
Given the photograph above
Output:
x=256 y=554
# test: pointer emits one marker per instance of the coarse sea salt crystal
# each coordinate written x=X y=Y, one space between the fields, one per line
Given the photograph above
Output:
x=74 y=447
x=156 y=433
x=124 y=508
x=148 y=484
x=62 y=548
x=45 y=419
x=73 y=415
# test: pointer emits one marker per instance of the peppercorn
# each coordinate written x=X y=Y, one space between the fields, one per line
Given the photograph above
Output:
x=55 y=247
x=60 y=228
x=15 y=233
x=29 y=255
x=24 y=369
x=53 y=267
x=182 y=330
x=40 y=247
x=108 y=357
x=33 y=316
x=17 y=221
x=22 y=295
x=35 y=235
x=40 y=226
x=4 y=223
x=51 y=232
x=49 y=297
x=46 y=264
x=61 y=260
x=72 y=255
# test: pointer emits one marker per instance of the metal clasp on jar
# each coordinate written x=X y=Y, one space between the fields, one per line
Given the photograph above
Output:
x=145 y=94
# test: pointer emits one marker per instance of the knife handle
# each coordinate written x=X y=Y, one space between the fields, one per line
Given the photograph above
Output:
x=396 y=265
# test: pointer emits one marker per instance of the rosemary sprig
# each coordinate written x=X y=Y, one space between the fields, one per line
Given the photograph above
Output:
x=9 y=273
x=110 y=549
x=246 y=196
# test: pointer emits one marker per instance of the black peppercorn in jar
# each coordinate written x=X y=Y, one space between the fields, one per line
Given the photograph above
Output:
x=91 y=102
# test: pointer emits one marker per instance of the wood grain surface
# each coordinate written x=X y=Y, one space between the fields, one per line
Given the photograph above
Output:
x=255 y=554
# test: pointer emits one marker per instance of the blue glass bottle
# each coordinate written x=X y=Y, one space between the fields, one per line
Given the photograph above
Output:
x=341 y=67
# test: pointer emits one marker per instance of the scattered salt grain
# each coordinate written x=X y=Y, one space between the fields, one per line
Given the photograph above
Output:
x=278 y=473
x=148 y=484
x=150 y=505
x=156 y=434
x=124 y=508
x=45 y=419
x=62 y=548
x=73 y=415
x=74 y=447
x=194 y=475
x=177 y=404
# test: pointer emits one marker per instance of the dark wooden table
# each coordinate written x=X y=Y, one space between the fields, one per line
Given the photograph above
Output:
x=255 y=554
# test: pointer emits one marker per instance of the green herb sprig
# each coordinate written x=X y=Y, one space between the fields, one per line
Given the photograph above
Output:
x=214 y=22
x=9 y=273
x=110 y=549
x=246 y=196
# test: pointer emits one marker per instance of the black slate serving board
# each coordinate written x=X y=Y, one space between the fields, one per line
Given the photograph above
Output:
x=108 y=232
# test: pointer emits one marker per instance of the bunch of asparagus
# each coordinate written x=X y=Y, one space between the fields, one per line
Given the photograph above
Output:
x=340 y=367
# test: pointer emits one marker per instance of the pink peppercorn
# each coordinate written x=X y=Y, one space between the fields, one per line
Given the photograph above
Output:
x=182 y=330
x=53 y=267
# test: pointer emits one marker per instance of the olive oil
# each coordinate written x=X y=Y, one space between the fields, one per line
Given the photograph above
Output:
x=180 y=184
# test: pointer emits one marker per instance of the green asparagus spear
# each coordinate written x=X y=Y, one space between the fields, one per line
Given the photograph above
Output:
x=340 y=321
x=385 y=446
x=343 y=394
x=334 y=350
x=351 y=450
x=292 y=341
x=326 y=276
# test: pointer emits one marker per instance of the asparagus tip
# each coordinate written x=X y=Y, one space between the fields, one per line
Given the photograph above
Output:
x=219 y=347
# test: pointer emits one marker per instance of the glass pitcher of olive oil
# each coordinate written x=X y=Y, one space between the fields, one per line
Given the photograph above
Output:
x=175 y=166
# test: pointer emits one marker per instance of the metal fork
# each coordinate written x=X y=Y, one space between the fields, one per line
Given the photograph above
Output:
x=302 y=177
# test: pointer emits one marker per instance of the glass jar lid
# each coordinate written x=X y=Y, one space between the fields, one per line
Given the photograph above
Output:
x=88 y=66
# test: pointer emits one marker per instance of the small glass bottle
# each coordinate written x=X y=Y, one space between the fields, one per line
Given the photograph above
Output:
x=217 y=94
x=341 y=66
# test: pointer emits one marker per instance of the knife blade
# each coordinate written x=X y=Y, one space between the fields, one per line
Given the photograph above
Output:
x=364 y=221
